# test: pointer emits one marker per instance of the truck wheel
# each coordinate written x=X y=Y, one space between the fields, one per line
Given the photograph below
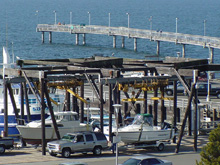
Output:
x=2 y=149
x=66 y=153
x=218 y=95
x=160 y=147
x=169 y=92
x=97 y=150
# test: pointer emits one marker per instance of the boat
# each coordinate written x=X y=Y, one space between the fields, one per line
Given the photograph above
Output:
x=34 y=105
x=67 y=122
x=142 y=131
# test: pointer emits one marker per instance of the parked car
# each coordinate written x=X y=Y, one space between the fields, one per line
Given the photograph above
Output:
x=78 y=142
x=180 y=89
x=146 y=160
x=6 y=143
x=203 y=89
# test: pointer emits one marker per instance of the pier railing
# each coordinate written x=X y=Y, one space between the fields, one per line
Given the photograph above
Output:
x=205 y=41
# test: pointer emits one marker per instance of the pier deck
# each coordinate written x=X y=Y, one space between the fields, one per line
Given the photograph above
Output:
x=152 y=35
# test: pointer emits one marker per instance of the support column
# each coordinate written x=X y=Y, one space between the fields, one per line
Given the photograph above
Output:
x=114 y=41
x=135 y=44
x=82 y=103
x=122 y=41
x=155 y=107
x=43 y=136
x=158 y=48
x=42 y=37
x=101 y=105
x=174 y=107
x=50 y=37
x=5 y=109
x=77 y=39
x=110 y=111
x=162 y=105
x=183 y=50
x=84 y=38
x=22 y=102
x=211 y=55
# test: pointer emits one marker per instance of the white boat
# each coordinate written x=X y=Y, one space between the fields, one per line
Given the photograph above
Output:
x=143 y=131
x=67 y=122
x=34 y=105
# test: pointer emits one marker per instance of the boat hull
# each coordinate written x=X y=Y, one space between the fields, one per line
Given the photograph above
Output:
x=34 y=135
x=145 y=136
x=12 y=123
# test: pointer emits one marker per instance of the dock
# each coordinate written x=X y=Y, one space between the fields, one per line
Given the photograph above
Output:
x=158 y=36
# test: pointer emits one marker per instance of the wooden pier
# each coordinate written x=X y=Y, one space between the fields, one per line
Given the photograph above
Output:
x=152 y=35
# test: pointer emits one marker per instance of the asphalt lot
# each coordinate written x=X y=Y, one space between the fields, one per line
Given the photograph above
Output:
x=31 y=156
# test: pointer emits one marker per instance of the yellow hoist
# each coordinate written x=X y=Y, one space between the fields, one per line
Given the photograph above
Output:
x=144 y=86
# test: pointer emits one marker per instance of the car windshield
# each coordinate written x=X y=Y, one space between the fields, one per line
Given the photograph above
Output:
x=68 y=137
x=132 y=161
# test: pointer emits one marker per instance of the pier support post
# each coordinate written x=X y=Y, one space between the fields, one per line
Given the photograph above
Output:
x=77 y=39
x=84 y=38
x=122 y=41
x=158 y=48
x=135 y=44
x=183 y=50
x=42 y=37
x=211 y=55
x=50 y=37
x=114 y=41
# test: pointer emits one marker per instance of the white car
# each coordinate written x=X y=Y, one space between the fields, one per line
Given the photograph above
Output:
x=146 y=160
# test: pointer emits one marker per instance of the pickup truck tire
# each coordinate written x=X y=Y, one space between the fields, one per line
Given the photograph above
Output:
x=97 y=150
x=218 y=95
x=169 y=92
x=66 y=152
x=2 y=149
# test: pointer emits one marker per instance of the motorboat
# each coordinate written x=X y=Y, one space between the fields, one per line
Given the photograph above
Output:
x=67 y=122
x=142 y=131
x=34 y=105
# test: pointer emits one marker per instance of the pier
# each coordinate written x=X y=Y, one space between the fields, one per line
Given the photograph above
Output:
x=158 y=36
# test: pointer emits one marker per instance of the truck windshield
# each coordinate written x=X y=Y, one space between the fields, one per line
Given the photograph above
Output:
x=68 y=137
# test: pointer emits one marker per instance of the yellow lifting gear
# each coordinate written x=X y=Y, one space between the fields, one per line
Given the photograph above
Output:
x=162 y=98
x=134 y=99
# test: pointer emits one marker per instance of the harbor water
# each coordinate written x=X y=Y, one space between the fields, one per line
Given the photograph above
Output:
x=19 y=18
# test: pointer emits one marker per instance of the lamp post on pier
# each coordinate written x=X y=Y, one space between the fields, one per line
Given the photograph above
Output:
x=204 y=27
x=55 y=17
x=109 y=20
x=128 y=20
x=176 y=25
x=37 y=16
x=89 y=18
x=150 y=19
x=71 y=14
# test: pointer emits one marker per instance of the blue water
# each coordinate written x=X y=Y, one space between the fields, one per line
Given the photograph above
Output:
x=18 y=20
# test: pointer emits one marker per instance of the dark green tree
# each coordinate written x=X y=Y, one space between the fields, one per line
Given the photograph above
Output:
x=210 y=154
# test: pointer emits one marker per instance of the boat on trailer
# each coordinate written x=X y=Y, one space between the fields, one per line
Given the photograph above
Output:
x=142 y=131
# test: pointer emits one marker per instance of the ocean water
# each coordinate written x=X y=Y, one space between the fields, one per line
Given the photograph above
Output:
x=18 y=20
